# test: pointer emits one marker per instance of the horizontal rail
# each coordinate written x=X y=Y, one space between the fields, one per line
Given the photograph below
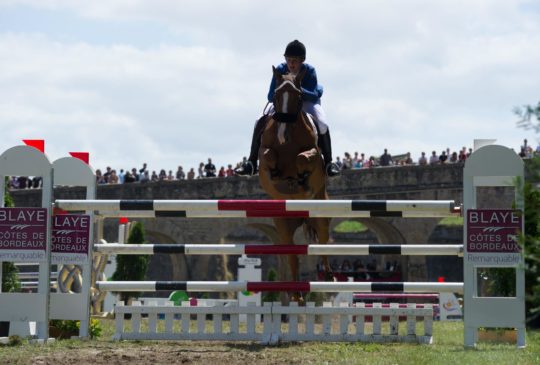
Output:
x=277 y=286
x=310 y=250
x=264 y=208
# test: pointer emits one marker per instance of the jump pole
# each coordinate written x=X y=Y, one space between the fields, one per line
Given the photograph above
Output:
x=277 y=286
x=264 y=208
x=309 y=250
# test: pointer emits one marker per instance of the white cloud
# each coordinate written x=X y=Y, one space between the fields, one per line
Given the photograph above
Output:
x=407 y=75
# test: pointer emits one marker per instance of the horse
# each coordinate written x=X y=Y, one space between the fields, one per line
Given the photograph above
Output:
x=291 y=165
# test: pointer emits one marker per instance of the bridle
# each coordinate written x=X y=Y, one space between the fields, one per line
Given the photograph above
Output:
x=283 y=116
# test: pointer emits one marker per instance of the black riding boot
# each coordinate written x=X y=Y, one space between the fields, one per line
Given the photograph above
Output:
x=325 y=145
x=250 y=166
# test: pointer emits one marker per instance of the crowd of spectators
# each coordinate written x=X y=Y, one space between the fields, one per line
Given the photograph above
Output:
x=208 y=170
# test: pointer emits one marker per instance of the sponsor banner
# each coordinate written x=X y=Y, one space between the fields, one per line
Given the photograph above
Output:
x=23 y=234
x=492 y=237
x=70 y=239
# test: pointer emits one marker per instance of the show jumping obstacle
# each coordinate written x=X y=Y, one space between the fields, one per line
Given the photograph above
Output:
x=480 y=311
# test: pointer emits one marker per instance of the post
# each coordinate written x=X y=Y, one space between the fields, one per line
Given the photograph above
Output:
x=492 y=166
x=20 y=308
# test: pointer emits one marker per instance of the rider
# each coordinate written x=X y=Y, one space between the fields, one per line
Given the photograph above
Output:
x=295 y=55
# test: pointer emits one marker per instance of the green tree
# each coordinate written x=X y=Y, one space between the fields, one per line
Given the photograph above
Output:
x=132 y=267
x=10 y=273
x=531 y=240
x=526 y=114
x=531 y=245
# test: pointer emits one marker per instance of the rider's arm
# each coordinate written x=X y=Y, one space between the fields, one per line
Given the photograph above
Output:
x=311 y=91
x=272 y=90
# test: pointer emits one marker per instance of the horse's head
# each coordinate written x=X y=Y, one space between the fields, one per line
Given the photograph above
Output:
x=291 y=164
x=288 y=93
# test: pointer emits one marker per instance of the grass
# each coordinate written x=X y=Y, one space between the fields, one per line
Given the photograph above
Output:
x=447 y=348
x=451 y=221
x=350 y=227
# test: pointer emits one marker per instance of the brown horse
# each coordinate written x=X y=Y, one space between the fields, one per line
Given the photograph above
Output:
x=291 y=165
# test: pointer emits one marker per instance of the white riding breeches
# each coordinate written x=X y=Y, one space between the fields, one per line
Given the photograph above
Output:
x=316 y=111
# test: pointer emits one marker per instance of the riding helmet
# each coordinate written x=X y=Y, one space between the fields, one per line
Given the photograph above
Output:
x=295 y=49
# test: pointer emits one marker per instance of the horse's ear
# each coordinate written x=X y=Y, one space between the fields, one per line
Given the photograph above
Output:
x=298 y=79
x=277 y=75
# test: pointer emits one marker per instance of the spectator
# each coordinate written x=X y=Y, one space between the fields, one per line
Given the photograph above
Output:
x=346 y=162
x=36 y=182
x=443 y=157
x=221 y=172
x=422 y=160
x=191 y=174
x=339 y=164
x=135 y=174
x=454 y=157
x=346 y=266
x=13 y=182
x=129 y=178
x=386 y=159
x=371 y=162
x=121 y=176
x=113 y=178
x=144 y=177
x=356 y=163
x=210 y=169
x=525 y=146
x=462 y=155
x=230 y=171
x=180 y=175
x=162 y=175
x=200 y=171
x=99 y=177
x=143 y=169
x=22 y=182
x=154 y=177
x=107 y=174
x=434 y=159
x=170 y=176
x=408 y=160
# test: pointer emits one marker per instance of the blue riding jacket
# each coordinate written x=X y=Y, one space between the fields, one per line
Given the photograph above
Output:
x=311 y=90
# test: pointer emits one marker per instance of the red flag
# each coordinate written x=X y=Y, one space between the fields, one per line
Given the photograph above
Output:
x=83 y=156
x=36 y=143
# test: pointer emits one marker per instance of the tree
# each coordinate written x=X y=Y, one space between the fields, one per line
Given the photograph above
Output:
x=531 y=239
x=526 y=113
x=132 y=267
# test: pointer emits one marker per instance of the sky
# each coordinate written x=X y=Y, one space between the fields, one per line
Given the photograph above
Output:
x=174 y=83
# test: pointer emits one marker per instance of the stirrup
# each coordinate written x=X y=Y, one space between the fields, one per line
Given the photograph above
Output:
x=247 y=168
x=332 y=169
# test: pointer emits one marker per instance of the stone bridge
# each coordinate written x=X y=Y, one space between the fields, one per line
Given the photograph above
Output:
x=439 y=182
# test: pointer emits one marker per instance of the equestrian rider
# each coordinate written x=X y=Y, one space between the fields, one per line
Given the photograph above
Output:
x=295 y=55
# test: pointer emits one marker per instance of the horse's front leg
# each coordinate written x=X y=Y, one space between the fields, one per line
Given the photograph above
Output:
x=322 y=226
x=286 y=228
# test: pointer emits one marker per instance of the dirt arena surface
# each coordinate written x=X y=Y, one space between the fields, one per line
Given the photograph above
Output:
x=135 y=353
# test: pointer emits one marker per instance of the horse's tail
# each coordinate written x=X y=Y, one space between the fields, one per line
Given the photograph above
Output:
x=310 y=233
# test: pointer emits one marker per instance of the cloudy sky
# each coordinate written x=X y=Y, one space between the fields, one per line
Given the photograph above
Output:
x=175 y=82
